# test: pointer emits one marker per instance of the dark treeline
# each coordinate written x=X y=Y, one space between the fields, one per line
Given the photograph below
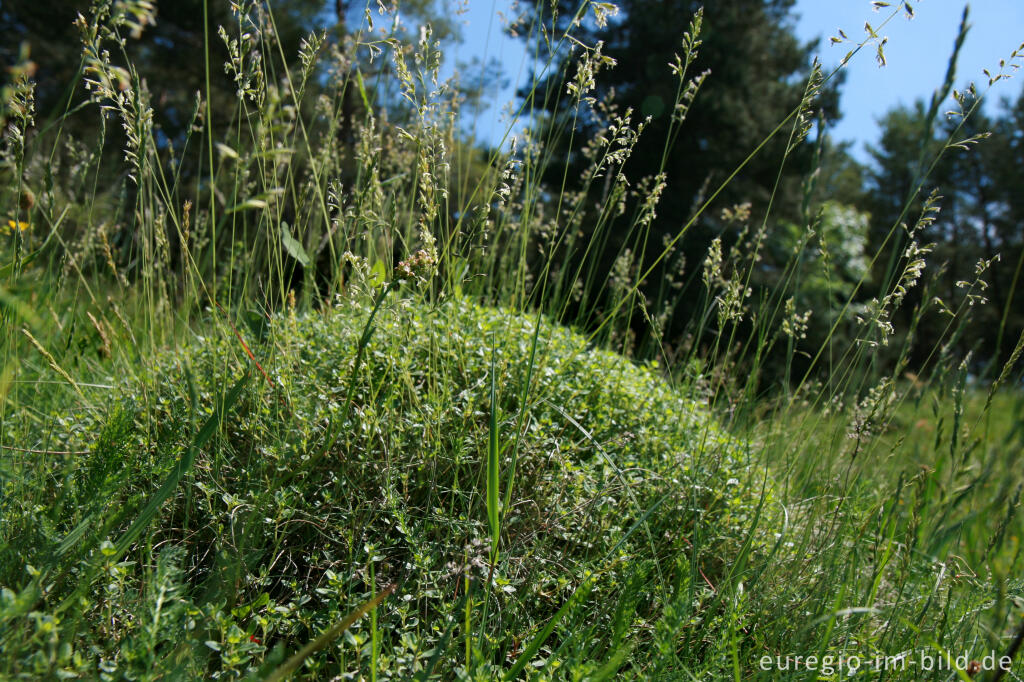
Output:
x=751 y=73
x=200 y=76
x=799 y=194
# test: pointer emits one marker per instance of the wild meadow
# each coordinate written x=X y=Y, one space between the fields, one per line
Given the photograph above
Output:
x=301 y=381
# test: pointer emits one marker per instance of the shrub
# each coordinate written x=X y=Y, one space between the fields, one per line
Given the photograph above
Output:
x=300 y=507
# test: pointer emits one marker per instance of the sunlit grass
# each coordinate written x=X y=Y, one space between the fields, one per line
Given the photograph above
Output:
x=372 y=412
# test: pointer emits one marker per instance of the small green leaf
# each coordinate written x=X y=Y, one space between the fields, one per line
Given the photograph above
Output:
x=225 y=151
x=377 y=274
x=362 y=90
x=248 y=204
x=293 y=246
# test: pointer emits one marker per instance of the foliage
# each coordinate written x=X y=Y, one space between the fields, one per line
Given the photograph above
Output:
x=704 y=101
x=295 y=512
x=977 y=235
x=356 y=398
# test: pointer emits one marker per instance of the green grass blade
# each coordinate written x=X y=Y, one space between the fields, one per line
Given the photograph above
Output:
x=183 y=466
x=534 y=646
x=510 y=478
x=293 y=663
x=612 y=665
x=439 y=649
x=493 y=464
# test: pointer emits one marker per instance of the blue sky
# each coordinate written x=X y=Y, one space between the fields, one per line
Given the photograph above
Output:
x=917 y=53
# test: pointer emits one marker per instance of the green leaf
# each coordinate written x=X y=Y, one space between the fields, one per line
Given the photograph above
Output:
x=378 y=274
x=248 y=204
x=362 y=90
x=293 y=246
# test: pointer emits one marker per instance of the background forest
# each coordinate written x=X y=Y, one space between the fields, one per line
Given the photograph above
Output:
x=761 y=71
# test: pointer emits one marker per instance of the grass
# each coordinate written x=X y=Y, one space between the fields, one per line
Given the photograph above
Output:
x=439 y=456
x=395 y=485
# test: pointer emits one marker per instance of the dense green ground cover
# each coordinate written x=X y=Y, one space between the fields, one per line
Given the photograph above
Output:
x=653 y=540
x=299 y=506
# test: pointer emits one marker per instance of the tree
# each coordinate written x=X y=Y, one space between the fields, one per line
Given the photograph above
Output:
x=168 y=48
x=238 y=82
x=1005 y=154
x=974 y=241
x=756 y=74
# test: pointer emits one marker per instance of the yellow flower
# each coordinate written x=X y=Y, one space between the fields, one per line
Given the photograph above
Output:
x=19 y=225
